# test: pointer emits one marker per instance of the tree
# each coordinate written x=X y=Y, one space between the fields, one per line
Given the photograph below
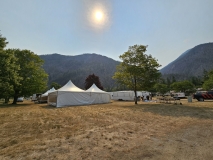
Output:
x=138 y=71
x=8 y=71
x=173 y=79
x=32 y=76
x=205 y=75
x=8 y=74
x=161 y=88
x=3 y=42
x=183 y=86
x=93 y=79
x=55 y=85
x=197 y=81
x=208 y=83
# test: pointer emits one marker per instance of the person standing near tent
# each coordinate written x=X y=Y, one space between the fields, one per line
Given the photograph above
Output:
x=142 y=98
x=150 y=96
x=147 y=97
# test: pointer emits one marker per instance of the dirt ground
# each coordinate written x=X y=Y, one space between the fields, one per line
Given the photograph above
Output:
x=118 y=130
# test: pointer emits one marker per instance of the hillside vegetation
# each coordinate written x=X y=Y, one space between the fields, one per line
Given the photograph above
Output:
x=62 y=68
x=193 y=62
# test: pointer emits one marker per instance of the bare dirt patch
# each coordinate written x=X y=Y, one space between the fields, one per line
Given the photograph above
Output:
x=118 y=130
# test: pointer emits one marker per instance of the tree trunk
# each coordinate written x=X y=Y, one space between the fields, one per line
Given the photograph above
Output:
x=15 y=97
x=135 y=90
x=6 y=100
x=136 y=99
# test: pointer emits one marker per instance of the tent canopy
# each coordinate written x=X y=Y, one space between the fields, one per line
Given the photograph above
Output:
x=94 y=88
x=49 y=91
x=70 y=87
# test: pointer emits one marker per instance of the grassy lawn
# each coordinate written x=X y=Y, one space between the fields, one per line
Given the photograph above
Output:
x=118 y=130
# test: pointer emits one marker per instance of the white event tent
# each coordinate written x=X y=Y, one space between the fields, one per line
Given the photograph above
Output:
x=44 y=96
x=69 y=95
x=49 y=91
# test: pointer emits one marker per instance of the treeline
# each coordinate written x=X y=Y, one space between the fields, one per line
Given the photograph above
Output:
x=181 y=83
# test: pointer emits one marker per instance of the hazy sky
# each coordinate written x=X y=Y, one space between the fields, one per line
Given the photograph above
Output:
x=107 y=27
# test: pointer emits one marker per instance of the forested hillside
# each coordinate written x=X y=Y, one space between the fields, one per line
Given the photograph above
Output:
x=191 y=63
x=62 y=68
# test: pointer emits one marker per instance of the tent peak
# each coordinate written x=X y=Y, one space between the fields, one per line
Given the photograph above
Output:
x=69 y=87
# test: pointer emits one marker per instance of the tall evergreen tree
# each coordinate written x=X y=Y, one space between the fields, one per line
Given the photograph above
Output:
x=93 y=79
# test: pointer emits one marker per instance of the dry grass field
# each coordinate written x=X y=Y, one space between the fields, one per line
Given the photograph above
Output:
x=118 y=130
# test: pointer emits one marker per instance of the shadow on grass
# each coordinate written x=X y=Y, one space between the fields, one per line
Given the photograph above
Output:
x=48 y=107
x=86 y=105
x=14 y=105
x=175 y=110
x=54 y=107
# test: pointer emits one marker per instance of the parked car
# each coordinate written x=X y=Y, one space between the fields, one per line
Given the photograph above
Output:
x=20 y=99
x=201 y=95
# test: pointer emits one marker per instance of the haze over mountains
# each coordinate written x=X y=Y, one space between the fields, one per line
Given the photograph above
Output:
x=62 y=68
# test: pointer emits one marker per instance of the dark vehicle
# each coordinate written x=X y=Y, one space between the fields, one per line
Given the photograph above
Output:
x=201 y=95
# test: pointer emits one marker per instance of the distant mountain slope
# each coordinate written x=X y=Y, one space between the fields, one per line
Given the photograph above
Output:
x=192 y=62
x=62 y=68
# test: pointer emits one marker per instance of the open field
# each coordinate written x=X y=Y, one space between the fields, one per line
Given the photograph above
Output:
x=118 y=130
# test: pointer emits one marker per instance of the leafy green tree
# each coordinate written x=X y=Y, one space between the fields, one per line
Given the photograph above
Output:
x=33 y=77
x=8 y=74
x=55 y=85
x=138 y=71
x=8 y=71
x=91 y=79
x=3 y=42
x=208 y=83
x=161 y=88
x=183 y=86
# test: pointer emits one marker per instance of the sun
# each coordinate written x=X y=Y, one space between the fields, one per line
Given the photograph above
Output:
x=99 y=15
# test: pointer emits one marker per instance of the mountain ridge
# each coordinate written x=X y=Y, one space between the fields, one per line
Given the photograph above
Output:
x=62 y=68
x=192 y=62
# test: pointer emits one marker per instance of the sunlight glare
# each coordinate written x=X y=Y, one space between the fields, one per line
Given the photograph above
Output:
x=99 y=15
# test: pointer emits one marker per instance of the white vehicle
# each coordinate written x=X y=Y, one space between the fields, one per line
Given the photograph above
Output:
x=123 y=95
x=20 y=99
x=129 y=95
x=179 y=95
x=34 y=98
